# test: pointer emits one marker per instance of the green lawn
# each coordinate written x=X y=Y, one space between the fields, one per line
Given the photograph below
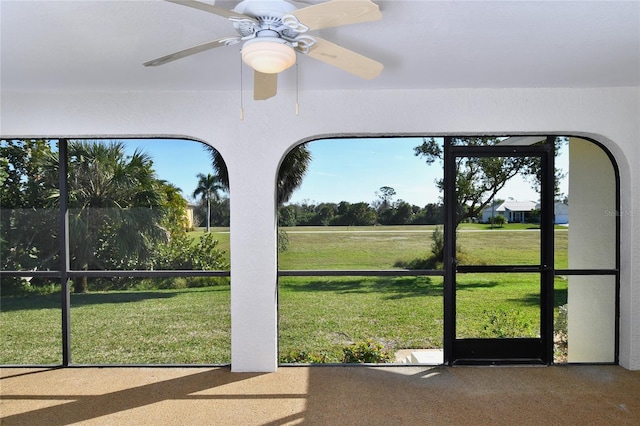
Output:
x=30 y=330
x=322 y=315
x=377 y=247
x=325 y=314
x=157 y=327
x=353 y=247
x=316 y=314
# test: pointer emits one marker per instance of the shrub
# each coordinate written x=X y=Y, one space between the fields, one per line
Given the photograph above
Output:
x=437 y=243
x=511 y=323
x=20 y=286
x=561 y=322
x=182 y=254
x=499 y=221
x=304 y=357
x=366 y=352
x=435 y=259
x=561 y=334
x=283 y=241
x=362 y=352
x=199 y=282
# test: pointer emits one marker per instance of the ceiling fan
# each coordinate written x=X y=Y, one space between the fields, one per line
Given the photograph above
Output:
x=274 y=30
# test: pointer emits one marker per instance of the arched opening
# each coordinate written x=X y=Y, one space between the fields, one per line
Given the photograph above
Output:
x=529 y=280
x=134 y=256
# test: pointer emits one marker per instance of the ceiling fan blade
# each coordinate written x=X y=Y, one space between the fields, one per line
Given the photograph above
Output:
x=212 y=9
x=338 y=12
x=265 y=86
x=192 y=51
x=345 y=59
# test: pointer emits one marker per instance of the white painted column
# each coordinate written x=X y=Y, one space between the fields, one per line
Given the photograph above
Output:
x=254 y=343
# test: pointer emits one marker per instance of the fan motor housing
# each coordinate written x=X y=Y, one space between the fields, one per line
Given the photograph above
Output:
x=269 y=16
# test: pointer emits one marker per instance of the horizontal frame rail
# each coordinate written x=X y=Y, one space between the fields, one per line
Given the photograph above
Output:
x=499 y=150
x=469 y=269
x=362 y=273
x=586 y=272
x=311 y=273
x=119 y=273
x=41 y=274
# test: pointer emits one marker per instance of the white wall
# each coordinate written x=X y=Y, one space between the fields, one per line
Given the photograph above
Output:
x=254 y=146
x=592 y=227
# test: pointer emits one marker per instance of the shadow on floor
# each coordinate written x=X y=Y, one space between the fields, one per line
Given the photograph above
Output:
x=322 y=395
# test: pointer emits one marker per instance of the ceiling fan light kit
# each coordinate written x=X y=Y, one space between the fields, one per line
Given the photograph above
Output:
x=268 y=56
x=274 y=31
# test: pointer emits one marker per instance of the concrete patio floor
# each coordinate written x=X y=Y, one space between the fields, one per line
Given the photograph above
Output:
x=321 y=395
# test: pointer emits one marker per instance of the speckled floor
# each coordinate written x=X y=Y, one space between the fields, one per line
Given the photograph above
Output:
x=566 y=395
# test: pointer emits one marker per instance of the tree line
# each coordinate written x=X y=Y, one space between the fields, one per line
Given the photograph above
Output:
x=359 y=214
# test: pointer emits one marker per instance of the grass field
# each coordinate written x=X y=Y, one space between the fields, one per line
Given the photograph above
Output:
x=157 y=327
x=325 y=314
x=322 y=315
x=316 y=314
x=377 y=247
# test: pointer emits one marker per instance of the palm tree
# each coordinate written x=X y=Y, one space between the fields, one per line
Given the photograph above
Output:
x=115 y=206
x=290 y=175
x=208 y=188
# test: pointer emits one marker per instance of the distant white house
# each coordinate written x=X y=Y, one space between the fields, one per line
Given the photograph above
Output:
x=523 y=212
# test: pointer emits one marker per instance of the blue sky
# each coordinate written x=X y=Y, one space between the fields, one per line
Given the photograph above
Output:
x=354 y=169
x=341 y=170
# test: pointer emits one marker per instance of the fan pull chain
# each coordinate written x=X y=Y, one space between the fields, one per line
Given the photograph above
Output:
x=297 y=89
x=241 y=102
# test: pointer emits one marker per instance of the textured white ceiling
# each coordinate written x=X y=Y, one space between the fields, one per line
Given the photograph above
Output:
x=101 y=45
